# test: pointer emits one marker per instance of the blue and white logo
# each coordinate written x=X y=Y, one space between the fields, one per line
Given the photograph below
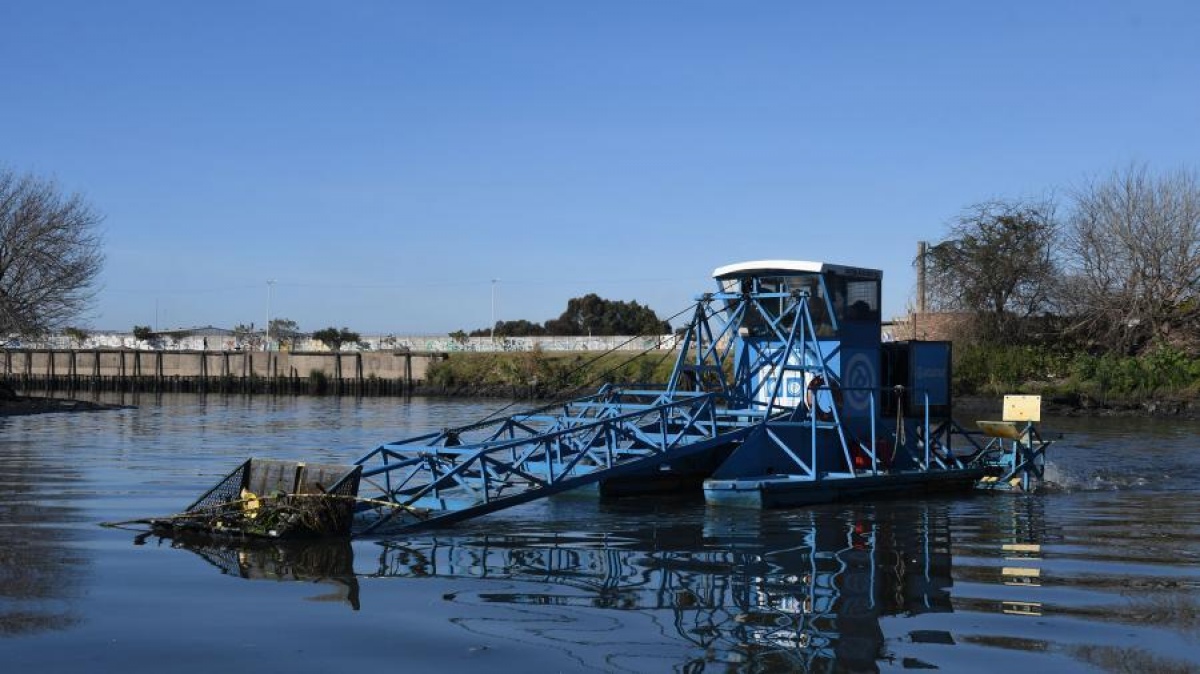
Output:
x=858 y=378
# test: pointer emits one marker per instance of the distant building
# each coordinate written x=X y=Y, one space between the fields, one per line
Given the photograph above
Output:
x=203 y=337
x=928 y=326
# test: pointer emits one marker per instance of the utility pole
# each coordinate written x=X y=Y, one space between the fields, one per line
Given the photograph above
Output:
x=267 y=330
x=922 y=262
x=922 y=252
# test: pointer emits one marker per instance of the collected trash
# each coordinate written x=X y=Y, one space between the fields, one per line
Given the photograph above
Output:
x=277 y=515
x=272 y=499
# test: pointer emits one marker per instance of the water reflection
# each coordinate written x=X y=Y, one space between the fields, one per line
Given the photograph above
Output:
x=804 y=590
x=1119 y=562
x=676 y=587
x=805 y=595
x=329 y=563
x=41 y=565
x=855 y=588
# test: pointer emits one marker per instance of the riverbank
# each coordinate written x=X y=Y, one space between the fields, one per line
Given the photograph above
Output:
x=965 y=406
x=988 y=407
x=1162 y=384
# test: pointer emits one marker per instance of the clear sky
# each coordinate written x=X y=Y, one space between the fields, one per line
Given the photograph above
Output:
x=384 y=161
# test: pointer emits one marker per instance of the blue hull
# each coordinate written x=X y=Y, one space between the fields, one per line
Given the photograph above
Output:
x=782 y=491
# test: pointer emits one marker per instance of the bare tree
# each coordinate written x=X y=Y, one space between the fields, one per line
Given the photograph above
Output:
x=998 y=263
x=49 y=254
x=1134 y=240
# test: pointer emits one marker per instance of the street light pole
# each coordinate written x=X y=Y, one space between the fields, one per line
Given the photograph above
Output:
x=267 y=329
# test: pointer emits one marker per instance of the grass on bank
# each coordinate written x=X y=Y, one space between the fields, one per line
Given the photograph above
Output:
x=547 y=372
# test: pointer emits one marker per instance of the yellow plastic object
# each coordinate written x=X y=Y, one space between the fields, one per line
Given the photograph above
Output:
x=1021 y=547
x=1021 y=571
x=1022 y=408
x=1000 y=429
x=250 y=504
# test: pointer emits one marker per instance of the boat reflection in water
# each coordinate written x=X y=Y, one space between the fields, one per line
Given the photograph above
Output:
x=805 y=590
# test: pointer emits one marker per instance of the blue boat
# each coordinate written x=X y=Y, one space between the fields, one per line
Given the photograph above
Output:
x=783 y=393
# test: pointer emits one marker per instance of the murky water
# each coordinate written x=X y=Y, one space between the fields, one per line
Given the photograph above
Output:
x=1102 y=574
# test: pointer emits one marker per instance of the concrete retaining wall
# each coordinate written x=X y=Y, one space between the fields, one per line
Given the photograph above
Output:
x=125 y=368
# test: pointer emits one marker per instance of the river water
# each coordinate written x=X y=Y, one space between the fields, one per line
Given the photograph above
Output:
x=1100 y=574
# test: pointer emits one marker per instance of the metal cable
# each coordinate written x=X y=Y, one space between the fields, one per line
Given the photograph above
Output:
x=590 y=382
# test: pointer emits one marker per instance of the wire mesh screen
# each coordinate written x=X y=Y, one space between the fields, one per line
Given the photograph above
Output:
x=227 y=490
x=279 y=499
x=348 y=485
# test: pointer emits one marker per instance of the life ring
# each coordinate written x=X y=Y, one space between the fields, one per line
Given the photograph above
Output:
x=813 y=398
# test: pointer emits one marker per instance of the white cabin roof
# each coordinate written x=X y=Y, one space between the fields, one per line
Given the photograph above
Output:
x=785 y=267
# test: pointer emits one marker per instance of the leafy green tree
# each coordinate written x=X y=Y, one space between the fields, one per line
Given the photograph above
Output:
x=284 y=330
x=998 y=263
x=335 y=338
x=143 y=333
x=518 y=328
x=77 y=335
x=594 y=315
x=587 y=315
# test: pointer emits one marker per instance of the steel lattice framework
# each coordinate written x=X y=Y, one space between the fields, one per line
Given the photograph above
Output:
x=725 y=391
x=713 y=399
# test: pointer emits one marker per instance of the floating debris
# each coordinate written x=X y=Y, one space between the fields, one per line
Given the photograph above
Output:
x=267 y=498
x=272 y=499
x=273 y=516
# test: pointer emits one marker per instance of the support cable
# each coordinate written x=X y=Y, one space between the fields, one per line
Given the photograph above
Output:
x=571 y=393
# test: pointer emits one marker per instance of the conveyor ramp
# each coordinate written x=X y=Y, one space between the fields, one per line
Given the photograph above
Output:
x=455 y=475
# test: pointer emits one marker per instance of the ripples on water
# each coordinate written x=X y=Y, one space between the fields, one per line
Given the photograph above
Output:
x=1100 y=574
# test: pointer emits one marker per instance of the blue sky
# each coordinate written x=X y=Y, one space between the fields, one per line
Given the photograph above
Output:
x=384 y=161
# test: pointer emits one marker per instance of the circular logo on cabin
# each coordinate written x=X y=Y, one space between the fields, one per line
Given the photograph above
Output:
x=858 y=378
x=795 y=387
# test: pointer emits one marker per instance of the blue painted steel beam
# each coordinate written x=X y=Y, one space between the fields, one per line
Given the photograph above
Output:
x=727 y=381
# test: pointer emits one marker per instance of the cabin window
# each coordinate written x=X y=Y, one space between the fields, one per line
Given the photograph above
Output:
x=787 y=286
x=862 y=301
x=854 y=300
x=754 y=318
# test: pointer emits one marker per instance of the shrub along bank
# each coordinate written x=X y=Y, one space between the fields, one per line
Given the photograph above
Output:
x=1163 y=380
